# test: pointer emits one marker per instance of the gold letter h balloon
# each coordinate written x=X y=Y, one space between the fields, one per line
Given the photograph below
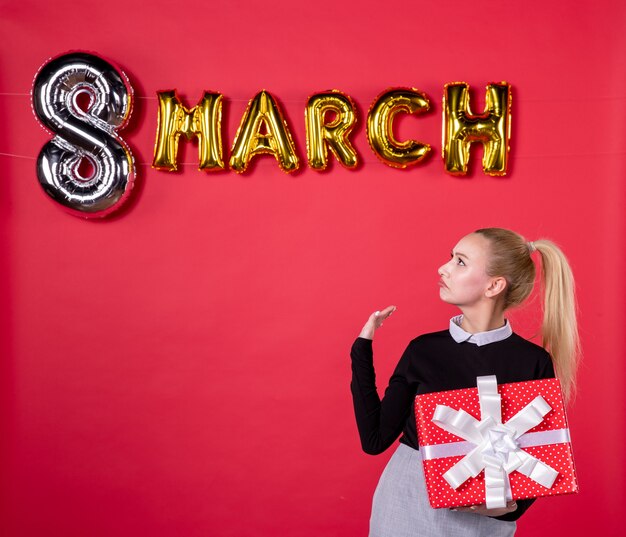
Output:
x=461 y=128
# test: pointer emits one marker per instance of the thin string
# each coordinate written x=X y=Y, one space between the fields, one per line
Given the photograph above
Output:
x=520 y=157
x=521 y=100
x=25 y=157
x=17 y=156
x=150 y=98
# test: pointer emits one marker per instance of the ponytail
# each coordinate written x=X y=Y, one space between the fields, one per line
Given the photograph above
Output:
x=511 y=257
x=559 y=330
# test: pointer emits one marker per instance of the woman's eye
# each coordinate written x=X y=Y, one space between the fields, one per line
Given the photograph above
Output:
x=460 y=261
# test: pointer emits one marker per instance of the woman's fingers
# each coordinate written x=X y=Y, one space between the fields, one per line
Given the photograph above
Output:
x=375 y=321
x=383 y=314
x=482 y=509
x=379 y=316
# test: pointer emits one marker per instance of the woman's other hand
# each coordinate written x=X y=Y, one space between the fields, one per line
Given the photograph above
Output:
x=482 y=509
x=375 y=321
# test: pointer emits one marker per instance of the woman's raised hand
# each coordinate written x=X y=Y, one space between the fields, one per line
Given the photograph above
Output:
x=375 y=321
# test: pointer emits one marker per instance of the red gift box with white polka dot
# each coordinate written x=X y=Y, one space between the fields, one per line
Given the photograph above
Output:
x=515 y=396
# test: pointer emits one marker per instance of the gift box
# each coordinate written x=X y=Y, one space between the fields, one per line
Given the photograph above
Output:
x=495 y=443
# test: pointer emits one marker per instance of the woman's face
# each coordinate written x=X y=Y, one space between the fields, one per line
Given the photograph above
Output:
x=463 y=279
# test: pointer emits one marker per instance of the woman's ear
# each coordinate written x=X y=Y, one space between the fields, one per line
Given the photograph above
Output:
x=497 y=286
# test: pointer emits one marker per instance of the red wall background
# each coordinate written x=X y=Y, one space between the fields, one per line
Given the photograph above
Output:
x=182 y=367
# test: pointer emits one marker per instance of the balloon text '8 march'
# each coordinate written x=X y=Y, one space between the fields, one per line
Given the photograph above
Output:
x=330 y=116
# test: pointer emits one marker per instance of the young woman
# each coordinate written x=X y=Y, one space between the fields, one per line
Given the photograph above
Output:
x=489 y=271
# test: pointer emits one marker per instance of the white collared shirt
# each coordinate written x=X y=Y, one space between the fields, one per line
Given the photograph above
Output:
x=480 y=338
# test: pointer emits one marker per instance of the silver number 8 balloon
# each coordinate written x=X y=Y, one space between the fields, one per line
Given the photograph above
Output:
x=59 y=89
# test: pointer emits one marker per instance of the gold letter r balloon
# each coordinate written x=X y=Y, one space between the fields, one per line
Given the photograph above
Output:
x=321 y=134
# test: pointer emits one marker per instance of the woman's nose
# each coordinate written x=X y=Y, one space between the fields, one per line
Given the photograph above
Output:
x=441 y=270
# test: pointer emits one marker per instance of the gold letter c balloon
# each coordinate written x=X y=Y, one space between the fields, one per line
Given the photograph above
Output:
x=380 y=127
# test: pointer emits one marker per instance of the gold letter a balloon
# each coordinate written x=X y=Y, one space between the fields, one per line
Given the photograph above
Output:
x=263 y=131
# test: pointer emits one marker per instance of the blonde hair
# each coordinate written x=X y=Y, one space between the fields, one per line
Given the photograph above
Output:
x=511 y=257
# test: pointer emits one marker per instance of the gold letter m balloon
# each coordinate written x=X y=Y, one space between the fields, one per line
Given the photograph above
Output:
x=461 y=128
x=203 y=121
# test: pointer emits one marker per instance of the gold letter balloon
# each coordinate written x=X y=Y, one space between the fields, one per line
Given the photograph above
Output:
x=380 y=127
x=263 y=131
x=203 y=120
x=461 y=128
x=322 y=135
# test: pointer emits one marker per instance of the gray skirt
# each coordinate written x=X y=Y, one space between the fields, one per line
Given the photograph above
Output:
x=401 y=509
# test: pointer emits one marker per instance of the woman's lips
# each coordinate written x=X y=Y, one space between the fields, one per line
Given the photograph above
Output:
x=441 y=284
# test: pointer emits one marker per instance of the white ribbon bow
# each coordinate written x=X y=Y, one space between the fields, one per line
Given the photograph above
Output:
x=497 y=448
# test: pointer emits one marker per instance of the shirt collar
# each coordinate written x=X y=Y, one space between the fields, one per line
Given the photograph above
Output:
x=480 y=338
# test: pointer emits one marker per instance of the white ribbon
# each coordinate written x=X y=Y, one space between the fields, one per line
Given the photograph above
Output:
x=497 y=446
